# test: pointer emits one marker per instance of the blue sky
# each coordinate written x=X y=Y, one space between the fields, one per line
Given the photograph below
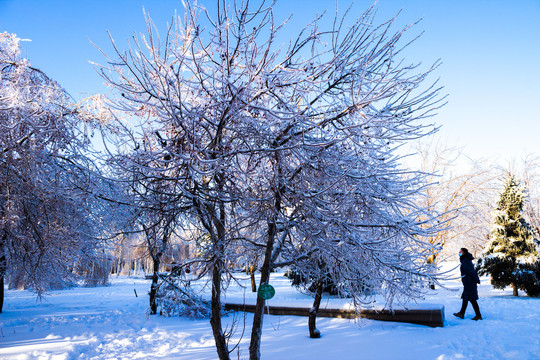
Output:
x=490 y=52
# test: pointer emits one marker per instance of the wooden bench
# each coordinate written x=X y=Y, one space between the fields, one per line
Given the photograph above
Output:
x=433 y=317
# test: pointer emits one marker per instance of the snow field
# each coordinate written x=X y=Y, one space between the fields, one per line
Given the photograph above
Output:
x=112 y=323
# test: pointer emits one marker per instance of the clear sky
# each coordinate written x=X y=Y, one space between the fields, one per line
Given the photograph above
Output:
x=490 y=52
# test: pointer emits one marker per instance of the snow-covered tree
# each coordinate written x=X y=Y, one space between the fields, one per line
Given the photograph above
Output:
x=511 y=257
x=359 y=228
x=47 y=234
x=282 y=153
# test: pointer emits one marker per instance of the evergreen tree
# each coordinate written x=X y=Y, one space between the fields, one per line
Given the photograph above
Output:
x=512 y=256
x=310 y=283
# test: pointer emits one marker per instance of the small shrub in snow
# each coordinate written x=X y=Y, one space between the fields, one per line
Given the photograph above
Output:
x=177 y=298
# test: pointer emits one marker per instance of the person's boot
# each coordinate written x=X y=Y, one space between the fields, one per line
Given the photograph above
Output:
x=477 y=317
x=459 y=315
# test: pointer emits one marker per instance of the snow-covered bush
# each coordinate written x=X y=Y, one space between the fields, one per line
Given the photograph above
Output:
x=177 y=298
x=527 y=277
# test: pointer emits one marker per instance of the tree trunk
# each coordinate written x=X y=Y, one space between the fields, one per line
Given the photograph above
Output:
x=515 y=290
x=153 y=288
x=431 y=261
x=256 y=330
x=3 y=269
x=1 y=293
x=156 y=260
x=217 y=270
x=118 y=266
x=314 y=333
x=252 y=276
x=215 y=319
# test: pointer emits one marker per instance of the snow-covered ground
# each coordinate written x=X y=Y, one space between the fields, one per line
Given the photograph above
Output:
x=112 y=323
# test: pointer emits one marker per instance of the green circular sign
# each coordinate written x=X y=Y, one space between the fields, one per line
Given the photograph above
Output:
x=266 y=291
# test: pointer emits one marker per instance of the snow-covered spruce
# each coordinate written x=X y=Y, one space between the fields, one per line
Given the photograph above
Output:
x=512 y=256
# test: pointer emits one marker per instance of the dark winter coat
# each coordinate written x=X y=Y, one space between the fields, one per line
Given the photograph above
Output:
x=469 y=278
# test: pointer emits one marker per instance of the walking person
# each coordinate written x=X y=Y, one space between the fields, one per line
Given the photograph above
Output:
x=470 y=281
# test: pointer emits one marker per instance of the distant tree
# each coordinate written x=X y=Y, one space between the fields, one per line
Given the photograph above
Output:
x=531 y=178
x=158 y=228
x=458 y=189
x=511 y=257
x=153 y=205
